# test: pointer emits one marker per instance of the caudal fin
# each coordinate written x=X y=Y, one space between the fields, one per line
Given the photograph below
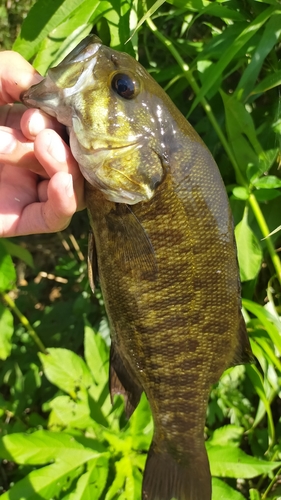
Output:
x=166 y=478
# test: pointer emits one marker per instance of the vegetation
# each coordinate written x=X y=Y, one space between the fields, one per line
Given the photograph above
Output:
x=60 y=437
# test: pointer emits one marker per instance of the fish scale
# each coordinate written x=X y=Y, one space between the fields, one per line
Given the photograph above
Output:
x=165 y=250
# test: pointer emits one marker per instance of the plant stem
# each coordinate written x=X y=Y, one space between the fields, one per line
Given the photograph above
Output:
x=265 y=232
x=206 y=106
x=24 y=321
x=270 y=485
x=239 y=176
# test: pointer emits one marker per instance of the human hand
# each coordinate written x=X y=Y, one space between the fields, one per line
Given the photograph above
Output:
x=40 y=182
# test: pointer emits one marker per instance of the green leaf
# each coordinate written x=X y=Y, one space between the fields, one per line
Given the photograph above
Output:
x=43 y=18
x=96 y=355
x=228 y=434
x=271 y=323
x=228 y=461
x=267 y=182
x=71 y=413
x=66 y=370
x=192 y=5
x=42 y=447
x=229 y=54
x=267 y=42
x=222 y=491
x=148 y=14
x=240 y=192
x=269 y=82
x=91 y=484
x=6 y=331
x=267 y=194
x=254 y=494
x=119 y=479
x=218 y=10
x=43 y=484
x=18 y=251
x=7 y=270
x=239 y=123
x=248 y=249
x=61 y=41
x=257 y=381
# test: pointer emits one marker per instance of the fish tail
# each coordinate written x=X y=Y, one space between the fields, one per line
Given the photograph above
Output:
x=167 y=478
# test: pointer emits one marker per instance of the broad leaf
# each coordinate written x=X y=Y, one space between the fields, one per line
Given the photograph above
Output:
x=222 y=491
x=18 y=251
x=42 y=447
x=7 y=270
x=267 y=182
x=43 y=18
x=6 y=331
x=248 y=249
x=229 y=461
x=66 y=370
x=96 y=355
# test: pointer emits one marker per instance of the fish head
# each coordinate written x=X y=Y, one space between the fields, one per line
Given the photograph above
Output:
x=114 y=113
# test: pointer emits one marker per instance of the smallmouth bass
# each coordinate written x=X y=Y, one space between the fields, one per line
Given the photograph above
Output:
x=165 y=251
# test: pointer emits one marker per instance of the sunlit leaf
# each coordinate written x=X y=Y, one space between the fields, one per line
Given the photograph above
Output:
x=6 y=331
x=96 y=355
x=229 y=461
x=7 y=270
x=18 y=251
x=43 y=18
x=222 y=491
x=267 y=41
x=248 y=249
x=267 y=182
x=228 y=55
x=66 y=370
x=42 y=447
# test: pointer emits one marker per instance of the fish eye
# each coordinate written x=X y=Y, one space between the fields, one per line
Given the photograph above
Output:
x=124 y=85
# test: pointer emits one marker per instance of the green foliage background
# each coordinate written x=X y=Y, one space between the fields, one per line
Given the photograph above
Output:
x=60 y=436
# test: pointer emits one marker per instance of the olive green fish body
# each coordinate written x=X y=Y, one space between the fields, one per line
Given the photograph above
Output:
x=165 y=249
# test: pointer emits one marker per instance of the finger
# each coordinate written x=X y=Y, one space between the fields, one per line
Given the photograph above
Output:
x=54 y=214
x=16 y=150
x=34 y=121
x=10 y=115
x=55 y=156
x=16 y=75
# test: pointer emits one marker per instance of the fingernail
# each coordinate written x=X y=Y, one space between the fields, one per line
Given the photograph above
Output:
x=57 y=150
x=69 y=185
x=7 y=143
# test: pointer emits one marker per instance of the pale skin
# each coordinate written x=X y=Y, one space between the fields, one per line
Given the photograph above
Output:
x=40 y=182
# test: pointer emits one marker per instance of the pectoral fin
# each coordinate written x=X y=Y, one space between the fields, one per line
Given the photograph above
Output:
x=122 y=382
x=133 y=249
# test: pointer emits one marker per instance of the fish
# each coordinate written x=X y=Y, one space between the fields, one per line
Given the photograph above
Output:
x=164 y=252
